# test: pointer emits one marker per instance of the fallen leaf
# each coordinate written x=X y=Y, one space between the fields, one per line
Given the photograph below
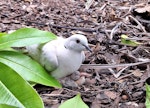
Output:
x=125 y=40
x=143 y=9
x=137 y=73
x=110 y=94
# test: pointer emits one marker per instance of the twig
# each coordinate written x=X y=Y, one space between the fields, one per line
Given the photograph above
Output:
x=75 y=28
x=127 y=13
x=114 y=30
x=72 y=28
x=59 y=26
x=97 y=76
x=119 y=73
x=141 y=26
x=147 y=34
x=106 y=66
x=141 y=81
x=102 y=7
x=56 y=95
x=88 y=4
x=124 y=76
x=112 y=72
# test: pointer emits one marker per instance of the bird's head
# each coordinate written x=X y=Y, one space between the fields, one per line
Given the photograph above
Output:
x=77 y=42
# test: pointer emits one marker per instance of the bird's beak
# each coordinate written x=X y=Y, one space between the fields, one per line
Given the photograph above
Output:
x=88 y=48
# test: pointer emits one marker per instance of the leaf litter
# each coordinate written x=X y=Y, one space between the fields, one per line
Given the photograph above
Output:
x=116 y=72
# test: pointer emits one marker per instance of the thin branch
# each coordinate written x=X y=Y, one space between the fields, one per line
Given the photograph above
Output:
x=106 y=66
x=72 y=28
x=114 y=30
x=119 y=73
x=141 y=26
x=75 y=28
x=128 y=75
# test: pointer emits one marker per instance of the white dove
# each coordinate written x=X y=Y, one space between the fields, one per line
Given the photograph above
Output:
x=61 y=57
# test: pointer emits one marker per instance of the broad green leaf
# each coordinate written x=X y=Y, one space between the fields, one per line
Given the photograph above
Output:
x=126 y=41
x=6 y=97
x=15 y=91
x=147 y=103
x=29 y=69
x=6 y=106
x=25 y=37
x=2 y=34
x=75 y=102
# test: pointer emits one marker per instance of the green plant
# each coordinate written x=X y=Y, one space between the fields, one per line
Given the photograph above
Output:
x=75 y=102
x=147 y=103
x=127 y=41
x=17 y=69
x=15 y=91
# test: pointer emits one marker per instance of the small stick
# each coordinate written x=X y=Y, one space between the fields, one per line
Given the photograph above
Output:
x=75 y=28
x=114 y=30
x=72 y=28
x=124 y=76
x=106 y=66
x=119 y=73
x=141 y=81
x=138 y=23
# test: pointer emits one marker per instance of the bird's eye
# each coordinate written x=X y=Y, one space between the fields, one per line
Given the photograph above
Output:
x=78 y=41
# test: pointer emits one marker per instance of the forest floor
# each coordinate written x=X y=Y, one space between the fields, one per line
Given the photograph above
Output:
x=103 y=22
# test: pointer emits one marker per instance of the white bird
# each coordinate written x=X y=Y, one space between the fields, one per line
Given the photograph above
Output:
x=61 y=57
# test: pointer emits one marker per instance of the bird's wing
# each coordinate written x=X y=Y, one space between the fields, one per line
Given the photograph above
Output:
x=49 y=56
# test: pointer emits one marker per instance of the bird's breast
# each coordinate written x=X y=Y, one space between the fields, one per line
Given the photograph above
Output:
x=69 y=62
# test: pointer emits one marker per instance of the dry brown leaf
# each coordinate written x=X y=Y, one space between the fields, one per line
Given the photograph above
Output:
x=95 y=104
x=143 y=9
x=121 y=81
x=111 y=94
x=137 y=73
x=97 y=48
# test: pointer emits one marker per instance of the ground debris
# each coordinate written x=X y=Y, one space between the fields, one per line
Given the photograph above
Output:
x=103 y=22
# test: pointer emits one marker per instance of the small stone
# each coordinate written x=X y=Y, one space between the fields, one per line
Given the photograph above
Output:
x=75 y=76
x=90 y=81
x=81 y=81
x=124 y=97
x=111 y=94
x=69 y=83
x=103 y=98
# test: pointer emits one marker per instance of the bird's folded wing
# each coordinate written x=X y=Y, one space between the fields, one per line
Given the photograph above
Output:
x=49 y=57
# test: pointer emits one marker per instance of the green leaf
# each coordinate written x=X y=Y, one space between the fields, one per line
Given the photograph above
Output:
x=15 y=91
x=2 y=34
x=25 y=37
x=6 y=106
x=126 y=41
x=6 y=96
x=75 y=102
x=147 y=103
x=29 y=69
